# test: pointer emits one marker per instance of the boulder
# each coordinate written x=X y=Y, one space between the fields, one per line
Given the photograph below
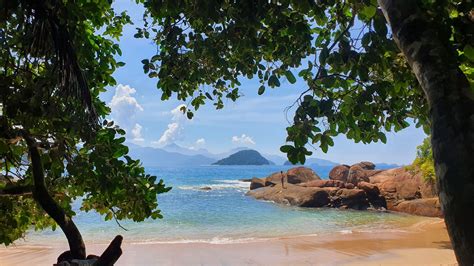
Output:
x=365 y=165
x=424 y=207
x=339 y=172
x=353 y=199
x=275 y=179
x=257 y=183
x=403 y=189
x=358 y=174
x=293 y=195
x=300 y=175
x=370 y=189
x=205 y=188
x=398 y=184
x=373 y=195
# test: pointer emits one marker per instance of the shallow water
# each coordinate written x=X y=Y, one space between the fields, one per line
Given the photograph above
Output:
x=224 y=214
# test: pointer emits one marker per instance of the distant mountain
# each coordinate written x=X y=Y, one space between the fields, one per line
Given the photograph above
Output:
x=245 y=157
x=277 y=159
x=154 y=157
x=173 y=147
x=315 y=162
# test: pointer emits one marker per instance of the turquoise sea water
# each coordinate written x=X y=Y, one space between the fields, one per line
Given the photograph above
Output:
x=223 y=214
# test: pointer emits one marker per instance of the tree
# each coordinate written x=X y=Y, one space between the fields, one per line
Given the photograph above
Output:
x=370 y=67
x=56 y=58
x=423 y=162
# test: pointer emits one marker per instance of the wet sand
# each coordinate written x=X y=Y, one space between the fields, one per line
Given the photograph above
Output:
x=425 y=243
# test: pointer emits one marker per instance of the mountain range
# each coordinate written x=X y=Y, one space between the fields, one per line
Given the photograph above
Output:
x=174 y=155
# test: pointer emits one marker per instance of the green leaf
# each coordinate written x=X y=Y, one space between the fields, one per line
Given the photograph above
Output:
x=469 y=52
x=273 y=81
x=286 y=148
x=290 y=77
x=261 y=90
x=368 y=11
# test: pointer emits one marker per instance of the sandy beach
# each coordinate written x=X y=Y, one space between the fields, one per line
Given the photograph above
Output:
x=425 y=243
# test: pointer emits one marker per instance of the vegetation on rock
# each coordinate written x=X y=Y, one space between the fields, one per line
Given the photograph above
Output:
x=424 y=162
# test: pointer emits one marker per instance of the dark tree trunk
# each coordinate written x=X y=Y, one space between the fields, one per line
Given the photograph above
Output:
x=41 y=195
x=451 y=102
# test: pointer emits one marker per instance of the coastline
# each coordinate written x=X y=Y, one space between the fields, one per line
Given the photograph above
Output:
x=424 y=243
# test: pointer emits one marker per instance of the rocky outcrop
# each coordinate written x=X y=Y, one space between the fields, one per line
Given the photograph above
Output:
x=313 y=192
x=405 y=191
x=313 y=196
x=359 y=186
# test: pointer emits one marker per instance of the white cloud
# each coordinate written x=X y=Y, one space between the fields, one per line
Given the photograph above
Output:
x=137 y=134
x=174 y=131
x=200 y=142
x=171 y=134
x=124 y=106
x=124 y=109
x=243 y=139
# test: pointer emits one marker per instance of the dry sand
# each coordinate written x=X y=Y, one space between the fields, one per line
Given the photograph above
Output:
x=426 y=243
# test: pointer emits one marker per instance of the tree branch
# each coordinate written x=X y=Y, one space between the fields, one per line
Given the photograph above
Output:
x=42 y=196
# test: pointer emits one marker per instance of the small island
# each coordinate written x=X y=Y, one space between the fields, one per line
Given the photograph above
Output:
x=244 y=157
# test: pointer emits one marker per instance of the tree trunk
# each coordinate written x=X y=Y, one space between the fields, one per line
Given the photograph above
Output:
x=41 y=195
x=451 y=102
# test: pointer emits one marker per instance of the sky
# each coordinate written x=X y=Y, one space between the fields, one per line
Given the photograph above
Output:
x=254 y=121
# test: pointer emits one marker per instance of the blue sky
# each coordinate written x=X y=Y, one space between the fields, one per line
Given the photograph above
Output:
x=254 y=121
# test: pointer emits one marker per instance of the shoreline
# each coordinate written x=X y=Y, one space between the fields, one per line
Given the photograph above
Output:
x=424 y=243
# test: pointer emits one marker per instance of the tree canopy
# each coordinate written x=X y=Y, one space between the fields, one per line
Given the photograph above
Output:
x=56 y=57
x=358 y=82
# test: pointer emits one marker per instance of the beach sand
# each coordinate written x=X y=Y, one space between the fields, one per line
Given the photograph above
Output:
x=425 y=243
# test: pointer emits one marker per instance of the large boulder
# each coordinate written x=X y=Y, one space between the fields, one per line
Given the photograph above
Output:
x=369 y=188
x=300 y=175
x=424 y=207
x=373 y=195
x=339 y=172
x=293 y=195
x=275 y=178
x=358 y=173
x=365 y=165
x=402 y=190
x=398 y=184
x=257 y=183
x=353 y=199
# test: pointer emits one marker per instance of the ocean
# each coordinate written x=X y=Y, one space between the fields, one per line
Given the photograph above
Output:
x=223 y=214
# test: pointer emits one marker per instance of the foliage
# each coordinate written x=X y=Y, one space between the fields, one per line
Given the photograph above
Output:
x=357 y=82
x=53 y=66
x=424 y=162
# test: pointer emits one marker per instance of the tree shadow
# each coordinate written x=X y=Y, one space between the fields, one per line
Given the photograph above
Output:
x=443 y=244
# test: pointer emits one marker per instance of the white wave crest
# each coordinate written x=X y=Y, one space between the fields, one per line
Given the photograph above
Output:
x=225 y=184
x=214 y=241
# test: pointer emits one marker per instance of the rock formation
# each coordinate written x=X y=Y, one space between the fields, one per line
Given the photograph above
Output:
x=359 y=187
